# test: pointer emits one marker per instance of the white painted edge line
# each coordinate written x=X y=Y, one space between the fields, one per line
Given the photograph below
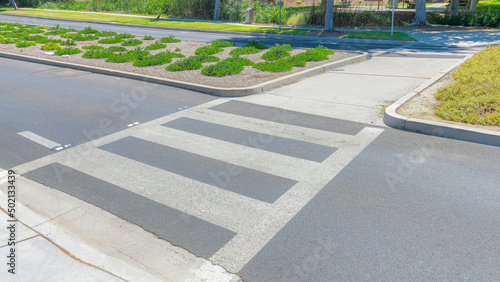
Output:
x=216 y=91
x=39 y=139
x=460 y=132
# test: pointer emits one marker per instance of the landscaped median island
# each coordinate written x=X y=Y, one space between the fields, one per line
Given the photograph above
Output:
x=470 y=95
x=219 y=63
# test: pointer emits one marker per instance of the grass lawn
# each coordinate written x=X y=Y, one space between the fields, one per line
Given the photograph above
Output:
x=385 y=35
x=489 y=6
x=150 y=21
x=475 y=96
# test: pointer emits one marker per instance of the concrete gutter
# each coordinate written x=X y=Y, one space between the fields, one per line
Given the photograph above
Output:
x=316 y=39
x=441 y=129
x=212 y=90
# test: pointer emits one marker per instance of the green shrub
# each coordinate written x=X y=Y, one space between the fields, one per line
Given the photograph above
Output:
x=93 y=47
x=110 y=40
x=298 y=60
x=131 y=42
x=57 y=30
x=208 y=50
x=68 y=42
x=36 y=38
x=88 y=30
x=297 y=19
x=280 y=65
x=277 y=52
x=97 y=54
x=125 y=36
x=147 y=37
x=116 y=49
x=85 y=37
x=23 y=44
x=50 y=46
x=226 y=67
x=155 y=46
x=8 y=40
x=67 y=51
x=222 y=43
x=170 y=39
x=106 y=34
x=191 y=63
x=244 y=51
x=157 y=59
x=70 y=35
x=128 y=56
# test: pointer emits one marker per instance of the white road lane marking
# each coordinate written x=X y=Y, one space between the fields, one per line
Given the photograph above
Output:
x=39 y=139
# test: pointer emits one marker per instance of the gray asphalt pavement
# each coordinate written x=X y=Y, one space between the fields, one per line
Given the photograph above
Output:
x=409 y=207
x=73 y=107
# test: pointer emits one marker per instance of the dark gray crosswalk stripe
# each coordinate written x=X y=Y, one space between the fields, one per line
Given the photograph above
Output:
x=196 y=235
x=275 y=144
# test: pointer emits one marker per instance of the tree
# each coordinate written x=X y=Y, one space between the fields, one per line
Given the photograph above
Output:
x=455 y=8
x=420 y=13
x=471 y=5
x=216 y=12
x=329 y=16
x=13 y=4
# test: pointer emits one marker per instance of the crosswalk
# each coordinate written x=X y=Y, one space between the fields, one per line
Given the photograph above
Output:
x=219 y=179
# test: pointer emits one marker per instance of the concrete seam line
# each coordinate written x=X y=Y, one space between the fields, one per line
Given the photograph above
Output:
x=216 y=91
x=460 y=132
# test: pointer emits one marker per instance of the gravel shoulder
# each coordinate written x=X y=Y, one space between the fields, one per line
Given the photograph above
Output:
x=422 y=105
x=248 y=77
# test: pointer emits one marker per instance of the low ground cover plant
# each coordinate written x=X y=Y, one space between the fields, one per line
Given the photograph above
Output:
x=147 y=37
x=244 y=51
x=131 y=42
x=117 y=49
x=155 y=46
x=97 y=54
x=110 y=40
x=50 y=46
x=24 y=44
x=93 y=47
x=68 y=42
x=7 y=40
x=67 y=51
x=475 y=96
x=208 y=50
x=277 y=52
x=170 y=39
x=227 y=66
x=128 y=56
x=106 y=34
x=88 y=30
x=191 y=63
x=157 y=59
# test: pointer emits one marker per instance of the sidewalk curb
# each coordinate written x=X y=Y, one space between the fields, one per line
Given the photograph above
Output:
x=441 y=129
x=216 y=91
x=316 y=39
